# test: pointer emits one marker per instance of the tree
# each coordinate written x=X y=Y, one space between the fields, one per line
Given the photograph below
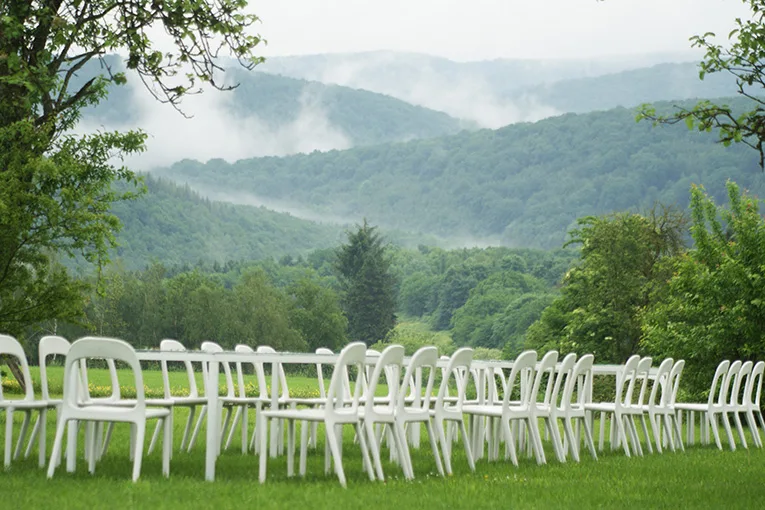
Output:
x=745 y=60
x=363 y=270
x=623 y=268
x=316 y=314
x=55 y=186
x=715 y=305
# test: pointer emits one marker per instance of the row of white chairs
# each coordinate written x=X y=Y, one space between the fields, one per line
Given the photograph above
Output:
x=511 y=420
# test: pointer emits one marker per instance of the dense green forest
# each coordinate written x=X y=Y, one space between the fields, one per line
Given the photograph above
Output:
x=523 y=185
x=662 y=82
x=174 y=225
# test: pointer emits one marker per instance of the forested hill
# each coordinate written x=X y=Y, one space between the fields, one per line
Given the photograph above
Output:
x=628 y=88
x=525 y=183
x=293 y=112
x=174 y=225
x=364 y=117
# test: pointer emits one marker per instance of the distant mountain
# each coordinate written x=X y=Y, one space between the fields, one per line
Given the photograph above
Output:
x=264 y=115
x=525 y=184
x=662 y=82
x=476 y=91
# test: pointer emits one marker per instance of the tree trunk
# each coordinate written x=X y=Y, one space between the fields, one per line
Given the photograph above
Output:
x=13 y=365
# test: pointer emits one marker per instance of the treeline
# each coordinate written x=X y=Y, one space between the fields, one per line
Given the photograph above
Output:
x=524 y=184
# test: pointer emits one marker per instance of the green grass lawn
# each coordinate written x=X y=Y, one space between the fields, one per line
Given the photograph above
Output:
x=702 y=477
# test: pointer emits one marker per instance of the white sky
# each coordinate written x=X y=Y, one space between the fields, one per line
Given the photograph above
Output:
x=485 y=29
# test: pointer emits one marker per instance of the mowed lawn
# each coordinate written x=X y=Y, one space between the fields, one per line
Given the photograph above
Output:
x=702 y=477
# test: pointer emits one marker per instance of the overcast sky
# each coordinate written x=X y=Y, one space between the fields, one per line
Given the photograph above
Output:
x=485 y=29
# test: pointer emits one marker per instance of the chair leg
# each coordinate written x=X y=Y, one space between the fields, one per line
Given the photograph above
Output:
x=589 y=439
x=740 y=428
x=140 y=432
x=33 y=436
x=572 y=443
x=245 y=427
x=71 y=446
x=56 y=451
x=656 y=429
x=445 y=450
x=712 y=419
x=198 y=426
x=509 y=443
x=728 y=431
x=374 y=447
x=167 y=444
x=22 y=433
x=261 y=426
x=552 y=428
x=468 y=451
x=155 y=436
x=234 y=423
x=290 y=448
x=8 y=436
x=363 y=442
x=753 y=428
x=336 y=455
x=42 y=432
x=647 y=435
x=434 y=447
x=187 y=429
x=536 y=440
x=402 y=447
x=304 y=426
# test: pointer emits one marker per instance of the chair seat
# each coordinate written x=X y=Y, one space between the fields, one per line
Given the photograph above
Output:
x=189 y=401
x=130 y=402
x=686 y=406
x=483 y=410
x=242 y=401
x=311 y=415
x=24 y=404
x=112 y=413
x=605 y=407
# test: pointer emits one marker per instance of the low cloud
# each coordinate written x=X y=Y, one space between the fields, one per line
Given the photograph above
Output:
x=214 y=132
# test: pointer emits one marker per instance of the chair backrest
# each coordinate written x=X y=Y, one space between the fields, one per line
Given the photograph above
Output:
x=100 y=348
x=720 y=374
x=674 y=379
x=352 y=355
x=11 y=347
x=169 y=345
x=563 y=374
x=50 y=345
x=546 y=366
x=458 y=368
x=628 y=377
x=742 y=379
x=729 y=382
x=754 y=385
x=260 y=374
x=283 y=389
x=320 y=371
x=522 y=366
x=583 y=369
x=213 y=348
x=641 y=378
x=662 y=381
x=388 y=363
x=424 y=357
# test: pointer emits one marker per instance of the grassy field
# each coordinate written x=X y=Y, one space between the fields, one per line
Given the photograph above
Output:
x=702 y=477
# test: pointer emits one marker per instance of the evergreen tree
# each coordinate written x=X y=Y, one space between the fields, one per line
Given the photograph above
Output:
x=363 y=270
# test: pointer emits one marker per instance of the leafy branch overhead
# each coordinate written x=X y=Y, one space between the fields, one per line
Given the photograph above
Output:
x=56 y=187
x=744 y=58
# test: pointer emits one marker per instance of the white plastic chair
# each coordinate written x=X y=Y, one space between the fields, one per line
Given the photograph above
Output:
x=11 y=347
x=621 y=424
x=570 y=409
x=450 y=410
x=192 y=401
x=73 y=410
x=751 y=401
x=712 y=409
x=389 y=366
x=244 y=402
x=735 y=401
x=518 y=411
x=548 y=409
x=657 y=408
x=337 y=412
x=49 y=346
